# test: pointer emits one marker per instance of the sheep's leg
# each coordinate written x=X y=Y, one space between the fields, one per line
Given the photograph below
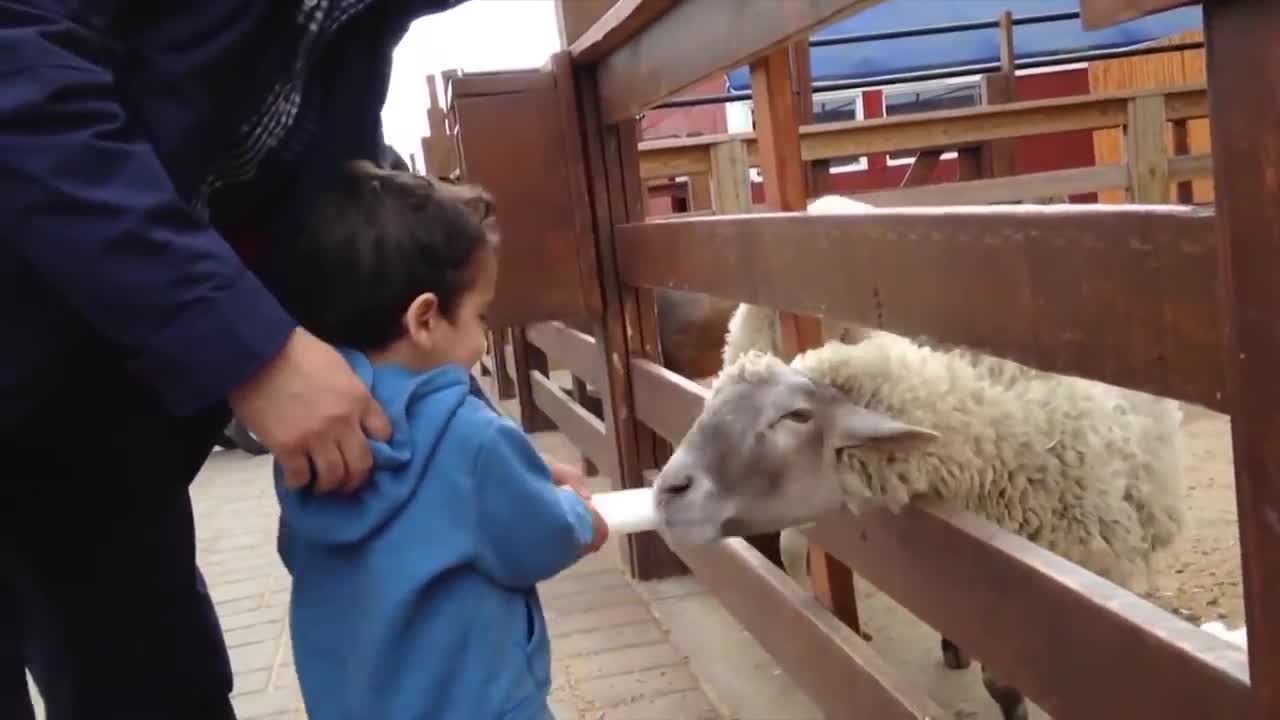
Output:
x=952 y=656
x=1013 y=706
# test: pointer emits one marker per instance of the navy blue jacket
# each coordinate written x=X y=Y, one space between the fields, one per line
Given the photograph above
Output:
x=134 y=138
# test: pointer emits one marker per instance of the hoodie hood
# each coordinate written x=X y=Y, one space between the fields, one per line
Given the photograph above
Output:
x=431 y=399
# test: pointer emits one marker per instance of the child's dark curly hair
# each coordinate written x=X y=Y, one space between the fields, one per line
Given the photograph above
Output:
x=372 y=243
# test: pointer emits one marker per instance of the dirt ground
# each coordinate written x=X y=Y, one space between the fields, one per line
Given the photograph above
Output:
x=1204 y=583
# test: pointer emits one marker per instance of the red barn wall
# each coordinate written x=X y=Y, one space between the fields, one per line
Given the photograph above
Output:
x=1058 y=151
x=682 y=122
x=690 y=121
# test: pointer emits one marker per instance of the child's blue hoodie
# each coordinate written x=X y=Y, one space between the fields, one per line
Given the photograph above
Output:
x=414 y=597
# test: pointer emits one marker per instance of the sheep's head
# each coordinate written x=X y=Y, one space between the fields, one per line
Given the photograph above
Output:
x=765 y=453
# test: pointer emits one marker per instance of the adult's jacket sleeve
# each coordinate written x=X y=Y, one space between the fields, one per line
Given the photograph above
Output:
x=88 y=205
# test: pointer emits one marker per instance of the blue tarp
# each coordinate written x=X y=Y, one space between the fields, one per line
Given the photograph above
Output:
x=970 y=47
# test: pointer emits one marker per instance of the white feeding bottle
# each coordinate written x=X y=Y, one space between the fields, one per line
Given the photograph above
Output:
x=627 y=511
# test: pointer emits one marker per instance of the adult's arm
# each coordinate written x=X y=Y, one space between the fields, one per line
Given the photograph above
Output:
x=89 y=206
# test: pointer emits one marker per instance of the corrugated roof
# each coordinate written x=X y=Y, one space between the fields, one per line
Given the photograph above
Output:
x=969 y=47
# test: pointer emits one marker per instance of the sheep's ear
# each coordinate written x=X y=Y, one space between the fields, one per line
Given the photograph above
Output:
x=856 y=426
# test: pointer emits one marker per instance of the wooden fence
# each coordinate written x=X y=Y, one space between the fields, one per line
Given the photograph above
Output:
x=1144 y=172
x=1173 y=300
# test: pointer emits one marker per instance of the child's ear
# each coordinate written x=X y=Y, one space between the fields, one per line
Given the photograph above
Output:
x=421 y=318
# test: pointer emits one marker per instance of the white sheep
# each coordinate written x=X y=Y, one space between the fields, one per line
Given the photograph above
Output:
x=1089 y=471
x=752 y=327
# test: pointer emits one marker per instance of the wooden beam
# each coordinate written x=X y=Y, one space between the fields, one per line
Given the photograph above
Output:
x=816 y=172
x=1188 y=167
x=567 y=348
x=785 y=188
x=1098 y=14
x=697 y=38
x=620 y=333
x=503 y=381
x=665 y=401
x=730 y=178
x=593 y=405
x=621 y=22
x=1032 y=186
x=529 y=361
x=700 y=193
x=999 y=158
x=1181 y=139
x=1076 y=644
x=777 y=131
x=584 y=430
x=1244 y=69
x=1146 y=156
x=945 y=129
x=1047 y=285
x=440 y=152
x=1008 y=59
x=837 y=669
x=574 y=18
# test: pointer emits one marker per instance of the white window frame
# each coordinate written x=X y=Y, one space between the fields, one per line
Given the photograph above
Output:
x=738 y=113
x=886 y=90
x=962 y=80
x=860 y=113
x=738 y=119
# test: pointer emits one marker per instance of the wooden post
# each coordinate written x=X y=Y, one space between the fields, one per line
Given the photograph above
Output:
x=1007 y=58
x=730 y=178
x=817 y=173
x=440 y=155
x=583 y=398
x=1145 y=154
x=529 y=358
x=700 y=192
x=617 y=195
x=999 y=157
x=1243 y=71
x=1181 y=137
x=778 y=140
x=573 y=19
x=777 y=132
x=501 y=371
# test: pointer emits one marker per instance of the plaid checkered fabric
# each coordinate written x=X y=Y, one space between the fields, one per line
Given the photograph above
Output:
x=263 y=132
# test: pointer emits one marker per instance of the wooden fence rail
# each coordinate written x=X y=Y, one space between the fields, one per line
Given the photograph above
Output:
x=942 y=129
x=1122 y=294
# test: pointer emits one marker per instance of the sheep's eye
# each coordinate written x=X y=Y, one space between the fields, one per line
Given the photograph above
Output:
x=800 y=415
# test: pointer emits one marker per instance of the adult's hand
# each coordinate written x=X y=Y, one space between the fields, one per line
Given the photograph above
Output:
x=310 y=410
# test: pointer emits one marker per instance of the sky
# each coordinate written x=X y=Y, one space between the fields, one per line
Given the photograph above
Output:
x=476 y=35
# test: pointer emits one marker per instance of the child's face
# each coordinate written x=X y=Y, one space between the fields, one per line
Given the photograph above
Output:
x=434 y=339
x=464 y=335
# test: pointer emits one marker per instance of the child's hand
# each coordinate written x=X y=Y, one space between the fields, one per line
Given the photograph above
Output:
x=599 y=530
x=570 y=477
